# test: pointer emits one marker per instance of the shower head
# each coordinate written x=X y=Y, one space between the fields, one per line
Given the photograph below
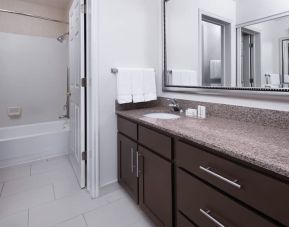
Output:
x=62 y=37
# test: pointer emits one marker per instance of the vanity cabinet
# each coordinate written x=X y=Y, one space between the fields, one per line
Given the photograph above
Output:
x=155 y=187
x=262 y=192
x=145 y=170
x=179 y=183
x=127 y=157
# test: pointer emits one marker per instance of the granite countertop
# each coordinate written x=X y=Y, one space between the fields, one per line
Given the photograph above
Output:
x=263 y=146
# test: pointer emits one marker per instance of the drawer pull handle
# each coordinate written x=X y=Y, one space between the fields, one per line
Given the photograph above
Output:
x=137 y=164
x=131 y=160
x=208 y=215
x=209 y=171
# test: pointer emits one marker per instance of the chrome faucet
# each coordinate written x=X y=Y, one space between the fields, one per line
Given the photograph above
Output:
x=174 y=105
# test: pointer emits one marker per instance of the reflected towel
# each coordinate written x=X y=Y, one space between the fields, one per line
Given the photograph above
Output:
x=215 y=69
x=184 y=78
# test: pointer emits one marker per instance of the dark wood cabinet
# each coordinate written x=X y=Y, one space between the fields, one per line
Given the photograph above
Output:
x=155 y=187
x=247 y=185
x=208 y=207
x=182 y=184
x=127 y=157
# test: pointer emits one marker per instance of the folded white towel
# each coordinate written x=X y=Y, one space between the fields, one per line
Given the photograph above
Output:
x=274 y=79
x=215 y=69
x=124 y=86
x=286 y=78
x=137 y=85
x=149 y=83
x=184 y=78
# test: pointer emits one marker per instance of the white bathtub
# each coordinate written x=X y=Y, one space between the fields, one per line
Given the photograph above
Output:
x=27 y=143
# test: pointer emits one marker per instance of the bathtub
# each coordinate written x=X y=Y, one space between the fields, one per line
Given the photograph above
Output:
x=27 y=143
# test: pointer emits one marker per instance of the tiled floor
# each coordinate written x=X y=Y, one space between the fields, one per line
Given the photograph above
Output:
x=46 y=194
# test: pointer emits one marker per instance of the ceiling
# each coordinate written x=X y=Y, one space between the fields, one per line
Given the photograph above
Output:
x=60 y=4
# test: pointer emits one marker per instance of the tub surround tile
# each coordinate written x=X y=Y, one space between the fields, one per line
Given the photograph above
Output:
x=263 y=146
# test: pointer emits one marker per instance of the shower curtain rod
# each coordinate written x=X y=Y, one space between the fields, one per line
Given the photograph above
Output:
x=33 y=16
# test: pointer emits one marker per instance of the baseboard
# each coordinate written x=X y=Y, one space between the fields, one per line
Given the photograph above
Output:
x=109 y=187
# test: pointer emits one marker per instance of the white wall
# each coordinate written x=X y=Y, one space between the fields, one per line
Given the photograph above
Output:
x=128 y=37
x=32 y=76
x=248 y=10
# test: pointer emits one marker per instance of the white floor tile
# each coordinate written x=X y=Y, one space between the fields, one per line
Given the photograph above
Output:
x=12 y=173
x=123 y=212
x=19 y=219
x=115 y=196
x=66 y=187
x=75 y=222
x=142 y=223
x=28 y=199
x=51 y=165
x=63 y=209
x=36 y=181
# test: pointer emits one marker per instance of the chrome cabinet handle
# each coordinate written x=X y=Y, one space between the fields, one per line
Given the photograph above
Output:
x=208 y=215
x=137 y=164
x=209 y=171
x=131 y=160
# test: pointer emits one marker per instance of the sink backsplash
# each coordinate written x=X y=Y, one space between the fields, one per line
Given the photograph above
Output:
x=273 y=118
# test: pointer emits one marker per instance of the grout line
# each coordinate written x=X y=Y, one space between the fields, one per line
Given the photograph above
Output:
x=84 y=220
x=28 y=219
x=1 y=191
x=53 y=191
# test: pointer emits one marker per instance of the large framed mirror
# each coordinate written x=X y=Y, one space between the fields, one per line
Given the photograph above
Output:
x=226 y=45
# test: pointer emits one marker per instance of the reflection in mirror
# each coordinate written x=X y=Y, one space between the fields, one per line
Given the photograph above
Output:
x=263 y=56
x=212 y=53
x=236 y=44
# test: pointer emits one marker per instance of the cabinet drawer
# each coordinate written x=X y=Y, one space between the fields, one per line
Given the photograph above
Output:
x=127 y=127
x=262 y=192
x=183 y=222
x=207 y=207
x=157 y=142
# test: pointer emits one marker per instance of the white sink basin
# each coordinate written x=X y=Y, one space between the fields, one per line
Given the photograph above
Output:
x=163 y=116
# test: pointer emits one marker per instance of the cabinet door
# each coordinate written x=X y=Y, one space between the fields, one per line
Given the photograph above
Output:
x=155 y=193
x=127 y=151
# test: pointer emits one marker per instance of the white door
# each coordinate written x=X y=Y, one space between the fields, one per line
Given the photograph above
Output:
x=77 y=99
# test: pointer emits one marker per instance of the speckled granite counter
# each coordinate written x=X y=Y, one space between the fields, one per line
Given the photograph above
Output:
x=263 y=146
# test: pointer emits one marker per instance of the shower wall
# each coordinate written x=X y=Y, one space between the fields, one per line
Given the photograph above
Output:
x=11 y=23
x=33 y=77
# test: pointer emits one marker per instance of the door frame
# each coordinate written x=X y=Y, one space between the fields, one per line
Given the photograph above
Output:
x=92 y=100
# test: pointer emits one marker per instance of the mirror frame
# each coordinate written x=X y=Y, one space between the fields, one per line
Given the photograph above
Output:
x=221 y=91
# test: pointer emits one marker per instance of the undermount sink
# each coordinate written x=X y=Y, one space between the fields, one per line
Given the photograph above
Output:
x=163 y=116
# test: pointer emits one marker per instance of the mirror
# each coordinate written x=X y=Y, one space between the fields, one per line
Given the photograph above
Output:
x=226 y=44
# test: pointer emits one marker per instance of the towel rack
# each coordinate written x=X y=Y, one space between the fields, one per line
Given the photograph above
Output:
x=114 y=70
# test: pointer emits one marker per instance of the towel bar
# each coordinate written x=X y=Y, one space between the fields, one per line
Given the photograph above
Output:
x=114 y=70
